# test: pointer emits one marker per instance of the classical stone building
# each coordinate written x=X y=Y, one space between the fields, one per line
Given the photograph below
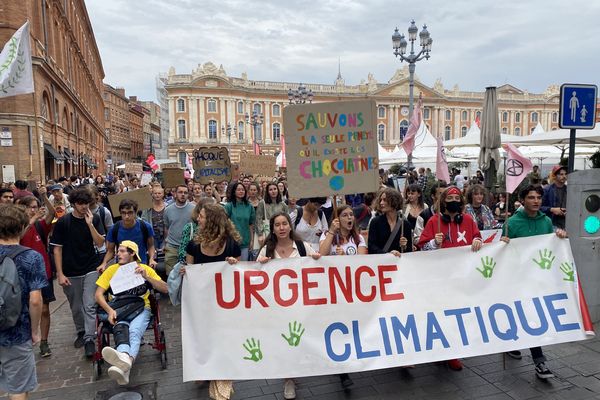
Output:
x=68 y=136
x=209 y=107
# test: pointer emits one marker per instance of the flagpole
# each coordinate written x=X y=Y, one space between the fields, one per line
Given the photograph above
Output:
x=40 y=145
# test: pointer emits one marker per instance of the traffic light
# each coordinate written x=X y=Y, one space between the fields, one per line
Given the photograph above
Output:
x=583 y=227
x=591 y=223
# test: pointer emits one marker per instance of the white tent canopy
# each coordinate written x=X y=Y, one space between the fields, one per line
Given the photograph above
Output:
x=471 y=139
x=559 y=136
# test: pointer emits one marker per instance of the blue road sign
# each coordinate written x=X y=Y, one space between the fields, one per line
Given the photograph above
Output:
x=578 y=106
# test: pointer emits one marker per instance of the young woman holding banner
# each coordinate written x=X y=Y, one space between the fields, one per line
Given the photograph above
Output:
x=281 y=243
x=451 y=227
x=215 y=240
x=342 y=238
x=389 y=232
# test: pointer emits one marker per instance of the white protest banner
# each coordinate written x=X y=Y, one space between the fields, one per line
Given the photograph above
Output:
x=303 y=317
x=146 y=179
x=331 y=148
x=491 y=235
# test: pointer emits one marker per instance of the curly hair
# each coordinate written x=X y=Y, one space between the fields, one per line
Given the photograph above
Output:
x=475 y=189
x=13 y=221
x=393 y=198
x=218 y=227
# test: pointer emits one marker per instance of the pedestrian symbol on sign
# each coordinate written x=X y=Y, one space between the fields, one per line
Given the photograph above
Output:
x=573 y=106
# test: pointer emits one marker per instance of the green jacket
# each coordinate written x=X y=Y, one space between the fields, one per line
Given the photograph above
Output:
x=522 y=225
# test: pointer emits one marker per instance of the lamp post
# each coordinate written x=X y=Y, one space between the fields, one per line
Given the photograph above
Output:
x=300 y=95
x=255 y=120
x=399 y=44
x=228 y=129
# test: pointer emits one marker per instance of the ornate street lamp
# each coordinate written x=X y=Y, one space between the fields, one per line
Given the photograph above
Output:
x=255 y=120
x=400 y=44
x=300 y=95
x=228 y=130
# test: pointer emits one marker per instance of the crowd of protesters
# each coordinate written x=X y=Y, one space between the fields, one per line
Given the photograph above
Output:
x=70 y=235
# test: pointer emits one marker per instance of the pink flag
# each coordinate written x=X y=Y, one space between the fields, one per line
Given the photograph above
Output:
x=408 y=143
x=517 y=167
x=441 y=164
x=283 y=160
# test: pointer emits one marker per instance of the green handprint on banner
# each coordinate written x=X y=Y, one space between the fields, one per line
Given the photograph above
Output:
x=568 y=270
x=546 y=259
x=296 y=332
x=488 y=265
x=253 y=347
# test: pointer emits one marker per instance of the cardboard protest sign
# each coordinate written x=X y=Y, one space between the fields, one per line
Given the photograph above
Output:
x=141 y=196
x=133 y=168
x=342 y=314
x=257 y=164
x=173 y=177
x=331 y=148
x=211 y=163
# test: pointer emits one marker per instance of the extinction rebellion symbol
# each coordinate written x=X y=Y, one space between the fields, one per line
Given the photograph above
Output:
x=514 y=167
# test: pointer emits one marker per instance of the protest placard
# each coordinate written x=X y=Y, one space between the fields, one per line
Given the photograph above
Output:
x=331 y=148
x=146 y=179
x=257 y=164
x=172 y=177
x=133 y=168
x=141 y=196
x=211 y=163
x=342 y=314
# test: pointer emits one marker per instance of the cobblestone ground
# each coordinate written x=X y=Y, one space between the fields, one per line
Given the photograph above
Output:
x=67 y=375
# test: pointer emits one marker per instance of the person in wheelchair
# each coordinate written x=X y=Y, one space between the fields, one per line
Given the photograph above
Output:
x=128 y=311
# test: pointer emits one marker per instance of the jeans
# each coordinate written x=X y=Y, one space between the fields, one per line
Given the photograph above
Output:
x=244 y=256
x=81 y=297
x=537 y=355
x=137 y=327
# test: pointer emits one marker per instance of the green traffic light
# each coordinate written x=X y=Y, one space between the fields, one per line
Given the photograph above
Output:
x=591 y=224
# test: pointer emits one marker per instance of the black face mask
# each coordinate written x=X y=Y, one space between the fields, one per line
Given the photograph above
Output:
x=453 y=206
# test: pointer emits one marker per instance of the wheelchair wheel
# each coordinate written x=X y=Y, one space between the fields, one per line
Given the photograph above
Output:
x=163 y=352
x=97 y=369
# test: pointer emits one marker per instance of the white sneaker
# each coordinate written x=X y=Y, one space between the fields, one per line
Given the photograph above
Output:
x=289 y=389
x=116 y=373
x=116 y=358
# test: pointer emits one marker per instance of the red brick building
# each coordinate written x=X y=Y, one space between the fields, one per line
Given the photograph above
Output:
x=68 y=136
x=136 y=129
x=116 y=123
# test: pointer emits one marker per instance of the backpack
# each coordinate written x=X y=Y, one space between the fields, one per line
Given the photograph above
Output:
x=301 y=211
x=40 y=231
x=10 y=289
x=301 y=248
x=115 y=232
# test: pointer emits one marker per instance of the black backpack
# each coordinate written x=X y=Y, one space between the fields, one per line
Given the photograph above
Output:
x=10 y=289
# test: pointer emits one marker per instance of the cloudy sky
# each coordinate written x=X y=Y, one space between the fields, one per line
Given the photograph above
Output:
x=528 y=43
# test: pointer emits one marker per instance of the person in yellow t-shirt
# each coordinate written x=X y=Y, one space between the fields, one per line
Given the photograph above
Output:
x=128 y=335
